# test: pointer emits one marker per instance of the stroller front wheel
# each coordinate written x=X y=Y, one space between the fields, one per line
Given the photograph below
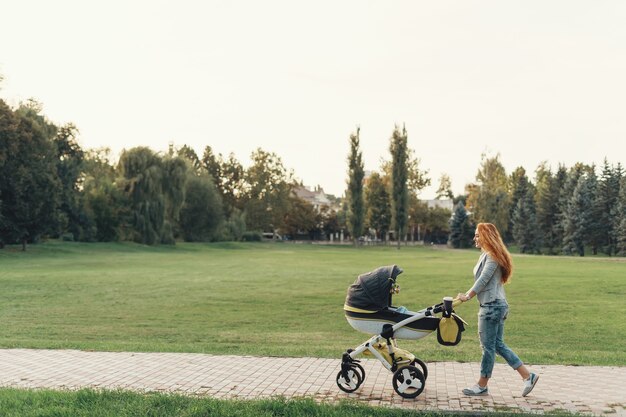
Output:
x=351 y=383
x=359 y=369
x=408 y=382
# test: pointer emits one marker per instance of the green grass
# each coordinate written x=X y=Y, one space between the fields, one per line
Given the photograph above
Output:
x=88 y=403
x=286 y=299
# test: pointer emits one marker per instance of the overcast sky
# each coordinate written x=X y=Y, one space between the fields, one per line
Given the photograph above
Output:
x=531 y=80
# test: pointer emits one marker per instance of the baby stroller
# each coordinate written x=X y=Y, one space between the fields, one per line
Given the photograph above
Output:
x=368 y=309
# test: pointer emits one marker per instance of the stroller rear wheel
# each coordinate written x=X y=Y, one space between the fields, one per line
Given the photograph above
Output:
x=421 y=365
x=351 y=383
x=408 y=382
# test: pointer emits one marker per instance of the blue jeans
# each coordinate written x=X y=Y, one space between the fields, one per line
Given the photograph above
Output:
x=491 y=318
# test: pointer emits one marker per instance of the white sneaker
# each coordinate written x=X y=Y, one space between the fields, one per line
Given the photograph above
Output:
x=529 y=384
x=476 y=390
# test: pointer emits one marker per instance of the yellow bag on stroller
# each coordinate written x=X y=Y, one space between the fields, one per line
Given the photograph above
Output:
x=450 y=329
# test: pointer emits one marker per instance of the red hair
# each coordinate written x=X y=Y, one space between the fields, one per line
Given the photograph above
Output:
x=491 y=242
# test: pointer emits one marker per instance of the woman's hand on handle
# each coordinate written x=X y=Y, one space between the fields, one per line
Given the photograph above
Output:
x=462 y=296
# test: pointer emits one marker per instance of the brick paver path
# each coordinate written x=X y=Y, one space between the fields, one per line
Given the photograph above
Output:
x=587 y=389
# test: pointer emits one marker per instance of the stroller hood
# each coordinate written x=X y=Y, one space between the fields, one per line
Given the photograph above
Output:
x=371 y=290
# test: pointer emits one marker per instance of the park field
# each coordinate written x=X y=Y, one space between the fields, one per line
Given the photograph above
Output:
x=285 y=299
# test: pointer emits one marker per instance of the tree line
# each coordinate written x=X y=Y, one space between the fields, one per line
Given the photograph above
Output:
x=51 y=187
x=569 y=211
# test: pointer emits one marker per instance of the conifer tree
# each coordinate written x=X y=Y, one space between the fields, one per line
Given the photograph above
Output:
x=617 y=179
x=546 y=203
x=518 y=188
x=524 y=223
x=576 y=219
x=461 y=230
x=605 y=207
x=560 y=179
x=620 y=218
x=356 y=174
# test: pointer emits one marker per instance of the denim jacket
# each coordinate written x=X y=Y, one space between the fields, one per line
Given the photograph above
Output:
x=488 y=280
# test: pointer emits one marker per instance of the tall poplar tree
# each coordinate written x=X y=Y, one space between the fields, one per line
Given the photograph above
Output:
x=399 y=177
x=356 y=173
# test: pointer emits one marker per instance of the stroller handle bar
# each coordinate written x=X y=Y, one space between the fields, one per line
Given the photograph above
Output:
x=445 y=307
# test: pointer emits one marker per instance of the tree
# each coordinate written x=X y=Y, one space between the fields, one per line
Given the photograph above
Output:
x=524 y=223
x=605 y=208
x=142 y=182
x=547 y=208
x=518 y=188
x=620 y=231
x=399 y=177
x=187 y=153
x=69 y=161
x=201 y=215
x=378 y=205
x=491 y=202
x=329 y=220
x=301 y=218
x=437 y=226
x=233 y=184
x=461 y=230
x=594 y=231
x=213 y=165
x=445 y=188
x=103 y=201
x=356 y=173
x=29 y=185
x=268 y=191
x=419 y=218
x=576 y=219
x=229 y=178
x=173 y=188
x=617 y=183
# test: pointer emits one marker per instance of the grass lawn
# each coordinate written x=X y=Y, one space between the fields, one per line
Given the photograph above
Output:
x=87 y=403
x=286 y=299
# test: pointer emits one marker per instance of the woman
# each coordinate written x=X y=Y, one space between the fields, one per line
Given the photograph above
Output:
x=493 y=270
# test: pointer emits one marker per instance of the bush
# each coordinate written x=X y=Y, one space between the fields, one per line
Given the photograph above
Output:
x=251 y=236
x=67 y=237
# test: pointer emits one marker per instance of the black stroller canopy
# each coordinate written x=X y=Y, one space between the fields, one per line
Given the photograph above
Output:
x=371 y=290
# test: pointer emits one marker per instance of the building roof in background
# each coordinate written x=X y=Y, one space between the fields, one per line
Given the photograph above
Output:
x=316 y=196
x=444 y=204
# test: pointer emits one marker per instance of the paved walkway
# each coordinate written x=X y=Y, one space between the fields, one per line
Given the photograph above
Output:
x=586 y=389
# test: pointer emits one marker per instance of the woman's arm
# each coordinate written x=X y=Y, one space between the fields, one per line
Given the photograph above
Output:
x=485 y=276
